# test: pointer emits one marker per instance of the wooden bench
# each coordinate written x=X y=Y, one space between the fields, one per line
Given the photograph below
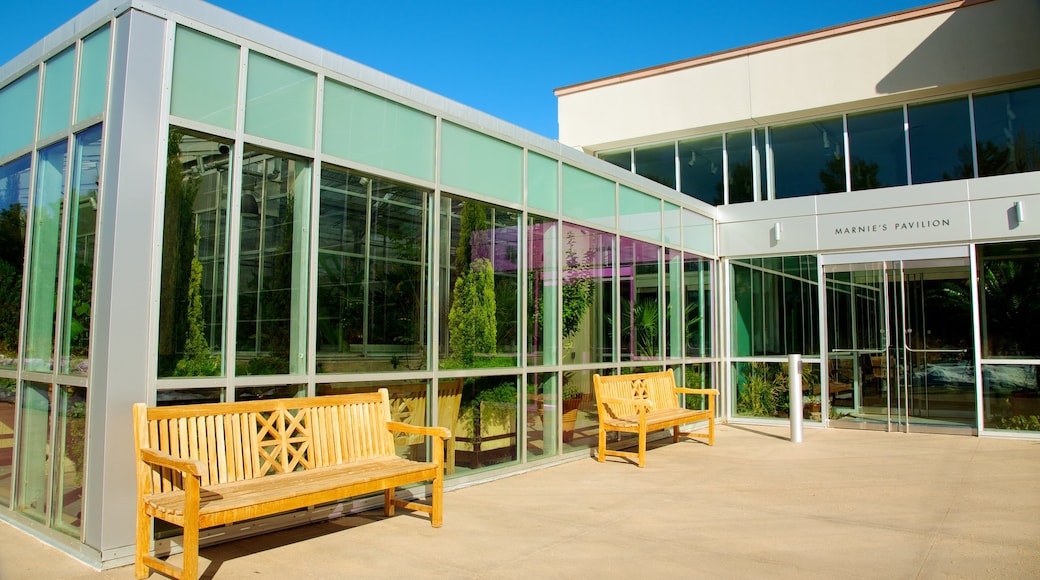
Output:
x=644 y=402
x=206 y=465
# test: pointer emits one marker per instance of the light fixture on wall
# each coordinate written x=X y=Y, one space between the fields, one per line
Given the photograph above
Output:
x=1020 y=212
x=778 y=231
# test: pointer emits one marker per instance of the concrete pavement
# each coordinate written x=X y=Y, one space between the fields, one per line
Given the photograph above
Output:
x=846 y=504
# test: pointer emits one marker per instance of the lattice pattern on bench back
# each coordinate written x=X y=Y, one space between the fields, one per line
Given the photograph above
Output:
x=253 y=439
x=658 y=387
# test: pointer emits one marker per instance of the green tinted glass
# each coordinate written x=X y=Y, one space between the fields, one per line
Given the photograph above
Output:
x=280 y=101
x=476 y=162
x=587 y=196
x=18 y=113
x=93 y=75
x=58 y=75
x=543 y=190
x=205 y=79
x=640 y=213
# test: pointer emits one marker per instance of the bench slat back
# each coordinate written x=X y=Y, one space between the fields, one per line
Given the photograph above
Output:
x=248 y=440
x=658 y=387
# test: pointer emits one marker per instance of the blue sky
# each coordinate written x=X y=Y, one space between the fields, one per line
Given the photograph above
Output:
x=504 y=58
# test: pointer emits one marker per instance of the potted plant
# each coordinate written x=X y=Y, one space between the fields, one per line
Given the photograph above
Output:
x=812 y=407
x=572 y=399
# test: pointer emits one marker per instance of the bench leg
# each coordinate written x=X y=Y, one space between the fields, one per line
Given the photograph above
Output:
x=191 y=551
x=675 y=434
x=601 y=456
x=711 y=431
x=642 y=447
x=144 y=543
x=437 y=500
x=388 y=502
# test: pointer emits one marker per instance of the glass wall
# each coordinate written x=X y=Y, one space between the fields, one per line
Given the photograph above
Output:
x=1009 y=280
x=639 y=280
x=587 y=295
x=14 y=206
x=372 y=274
x=918 y=143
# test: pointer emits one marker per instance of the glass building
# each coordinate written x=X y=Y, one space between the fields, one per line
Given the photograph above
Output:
x=191 y=215
x=198 y=208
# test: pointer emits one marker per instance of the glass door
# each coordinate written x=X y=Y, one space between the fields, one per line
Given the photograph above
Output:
x=899 y=345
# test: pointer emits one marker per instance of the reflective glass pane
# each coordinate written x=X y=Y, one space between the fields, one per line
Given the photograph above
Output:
x=588 y=295
x=476 y=162
x=372 y=306
x=657 y=162
x=697 y=313
x=7 y=413
x=271 y=335
x=640 y=213
x=672 y=223
x=167 y=397
x=700 y=168
x=79 y=270
x=698 y=376
x=808 y=158
x=673 y=300
x=363 y=127
x=622 y=158
x=578 y=419
x=877 y=149
x=587 y=196
x=205 y=79
x=775 y=306
x=940 y=141
x=43 y=257
x=488 y=425
x=543 y=325
x=543 y=186
x=34 y=427
x=71 y=436
x=543 y=421
x=14 y=203
x=1007 y=131
x=18 y=114
x=740 y=168
x=479 y=261
x=1011 y=397
x=280 y=101
x=639 y=275
x=93 y=75
x=1010 y=312
x=194 y=255
x=56 y=110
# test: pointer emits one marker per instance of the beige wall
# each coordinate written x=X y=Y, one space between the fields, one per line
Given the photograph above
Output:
x=951 y=52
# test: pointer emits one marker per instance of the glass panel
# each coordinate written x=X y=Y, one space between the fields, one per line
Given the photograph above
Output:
x=1007 y=131
x=280 y=101
x=1010 y=313
x=672 y=223
x=270 y=392
x=68 y=469
x=543 y=188
x=775 y=306
x=34 y=429
x=479 y=253
x=542 y=300
x=543 y=420
x=272 y=270
x=43 y=261
x=205 y=78
x=673 y=303
x=639 y=213
x=14 y=202
x=1011 y=397
x=372 y=306
x=657 y=162
x=587 y=196
x=700 y=168
x=639 y=276
x=808 y=158
x=79 y=275
x=877 y=149
x=759 y=156
x=488 y=426
x=698 y=232
x=476 y=162
x=7 y=413
x=18 y=114
x=168 y=397
x=195 y=247
x=363 y=127
x=56 y=110
x=93 y=75
x=578 y=420
x=761 y=389
x=698 y=310
x=698 y=376
x=588 y=296
x=622 y=158
x=940 y=141
x=740 y=168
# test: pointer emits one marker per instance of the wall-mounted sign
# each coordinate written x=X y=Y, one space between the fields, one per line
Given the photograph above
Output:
x=908 y=225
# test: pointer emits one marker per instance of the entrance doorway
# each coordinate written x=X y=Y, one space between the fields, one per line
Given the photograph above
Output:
x=900 y=348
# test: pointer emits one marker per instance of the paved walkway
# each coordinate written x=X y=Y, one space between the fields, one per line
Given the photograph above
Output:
x=842 y=504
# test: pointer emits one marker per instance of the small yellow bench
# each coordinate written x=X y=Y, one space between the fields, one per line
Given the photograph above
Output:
x=644 y=402
x=200 y=466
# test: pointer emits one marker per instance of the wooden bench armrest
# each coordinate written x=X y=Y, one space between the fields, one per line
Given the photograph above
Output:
x=697 y=391
x=441 y=432
x=161 y=459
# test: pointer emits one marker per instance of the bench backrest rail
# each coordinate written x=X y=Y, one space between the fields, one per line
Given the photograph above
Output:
x=657 y=387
